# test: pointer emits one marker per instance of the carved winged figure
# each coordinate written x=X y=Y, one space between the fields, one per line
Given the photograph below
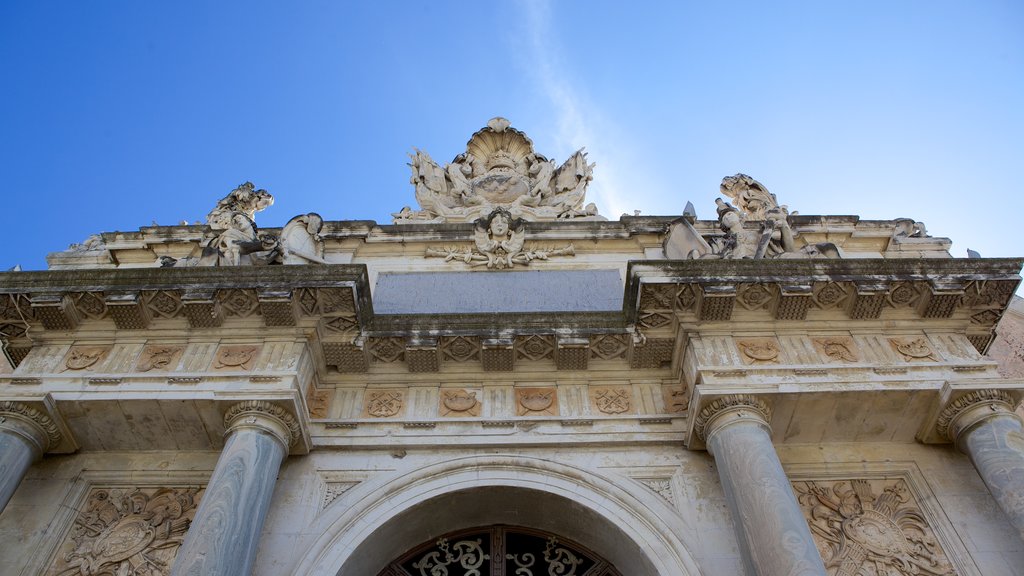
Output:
x=749 y=196
x=499 y=238
x=570 y=186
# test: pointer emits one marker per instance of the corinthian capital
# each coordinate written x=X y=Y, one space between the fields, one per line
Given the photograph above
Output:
x=264 y=416
x=971 y=408
x=727 y=409
x=31 y=424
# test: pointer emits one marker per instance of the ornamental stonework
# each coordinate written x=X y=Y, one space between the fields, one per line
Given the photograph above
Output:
x=914 y=349
x=80 y=358
x=758 y=350
x=156 y=358
x=871 y=526
x=837 y=349
x=536 y=402
x=611 y=400
x=236 y=357
x=127 y=532
x=459 y=403
x=383 y=403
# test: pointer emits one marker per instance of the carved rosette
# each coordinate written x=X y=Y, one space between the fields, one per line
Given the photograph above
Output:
x=970 y=409
x=727 y=409
x=263 y=416
x=30 y=424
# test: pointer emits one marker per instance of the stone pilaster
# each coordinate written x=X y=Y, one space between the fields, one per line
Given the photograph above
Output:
x=983 y=424
x=25 y=435
x=224 y=535
x=770 y=527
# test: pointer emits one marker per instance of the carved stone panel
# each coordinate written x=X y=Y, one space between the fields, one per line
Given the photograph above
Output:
x=459 y=403
x=871 y=527
x=758 y=350
x=384 y=403
x=236 y=357
x=677 y=398
x=81 y=358
x=129 y=531
x=159 y=358
x=837 y=349
x=914 y=349
x=536 y=402
x=611 y=400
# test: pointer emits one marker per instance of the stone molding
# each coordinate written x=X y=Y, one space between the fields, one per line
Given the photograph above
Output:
x=710 y=419
x=970 y=409
x=264 y=416
x=41 y=429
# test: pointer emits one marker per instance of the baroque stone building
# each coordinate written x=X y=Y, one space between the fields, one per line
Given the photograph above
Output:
x=503 y=382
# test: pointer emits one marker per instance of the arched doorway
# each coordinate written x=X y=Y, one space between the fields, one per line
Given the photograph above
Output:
x=500 y=551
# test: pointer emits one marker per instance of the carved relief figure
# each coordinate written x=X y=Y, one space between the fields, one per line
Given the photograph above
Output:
x=759 y=350
x=130 y=532
x=536 y=402
x=459 y=403
x=84 y=357
x=498 y=170
x=837 y=349
x=236 y=357
x=871 y=527
x=914 y=349
x=159 y=358
x=499 y=243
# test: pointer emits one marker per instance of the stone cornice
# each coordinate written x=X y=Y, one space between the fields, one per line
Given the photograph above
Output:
x=744 y=404
x=25 y=413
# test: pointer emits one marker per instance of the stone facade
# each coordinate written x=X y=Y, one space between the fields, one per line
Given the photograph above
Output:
x=503 y=381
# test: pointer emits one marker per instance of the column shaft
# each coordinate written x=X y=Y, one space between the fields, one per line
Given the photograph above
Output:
x=996 y=447
x=225 y=532
x=16 y=456
x=770 y=527
x=25 y=435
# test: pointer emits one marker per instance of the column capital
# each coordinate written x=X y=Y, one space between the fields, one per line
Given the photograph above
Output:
x=33 y=425
x=266 y=417
x=730 y=409
x=970 y=409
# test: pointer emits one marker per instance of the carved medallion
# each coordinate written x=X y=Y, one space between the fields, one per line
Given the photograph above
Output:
x=611 y=400
x=160 y=358
x=383 y=403
x=84 y=357
x=871 y=527
x=837 y=348
x=131 y=531
x=237 y=357
x=459 y=403
x=759 y=350
x=914 y=349
x=536 y=402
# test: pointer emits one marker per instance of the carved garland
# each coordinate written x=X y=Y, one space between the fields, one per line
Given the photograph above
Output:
x=264 y=408
x=35 y=416
x=994 y=398
x=728 y=403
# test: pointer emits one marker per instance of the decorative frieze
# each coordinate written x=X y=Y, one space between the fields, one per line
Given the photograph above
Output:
x=127 y=530
x=236 y=357
x=458 y=403
x=871 y=526
x=758 y=350
x=384 y=403
x=85 y=357
x=611 y=400
x=914 y=349
x=159 y=358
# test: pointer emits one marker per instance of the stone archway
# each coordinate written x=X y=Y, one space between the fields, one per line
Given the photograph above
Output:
x=500 y=551
x=383 y=518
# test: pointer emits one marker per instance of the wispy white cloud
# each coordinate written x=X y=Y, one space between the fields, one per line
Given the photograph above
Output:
x=579 y=121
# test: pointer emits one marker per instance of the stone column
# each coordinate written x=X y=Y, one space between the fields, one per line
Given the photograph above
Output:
x=983 y=424
x=770 y=527
x=225 y=532
x=25 y=435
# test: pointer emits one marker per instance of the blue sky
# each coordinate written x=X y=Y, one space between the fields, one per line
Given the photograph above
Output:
x=118 y=114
